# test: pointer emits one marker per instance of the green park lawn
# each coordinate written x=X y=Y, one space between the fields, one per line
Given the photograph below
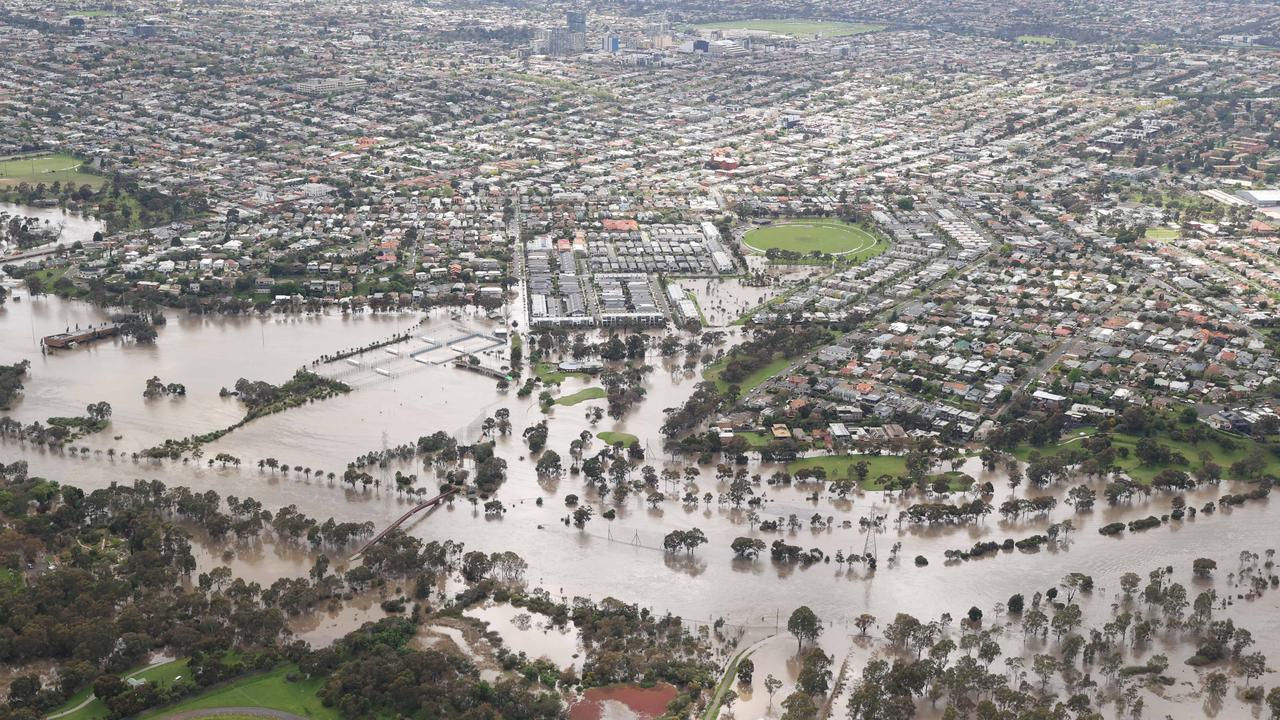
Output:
x=236 y=716
x=750 y=382
x=1145 y=473
x=755 y=439
x=1038 y=39
x=46 y=169
x=841 y=466
x=161 y=675
x=1162 y=233
x=50 y=275
x=806 y=236
x=591 y=393
x=796 y=27
x=165 y=674
x=550 y=374
x=266 y=690
x=611 y=438
x=94 y=710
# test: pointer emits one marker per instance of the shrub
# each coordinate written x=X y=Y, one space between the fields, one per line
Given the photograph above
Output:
x=1145 y=523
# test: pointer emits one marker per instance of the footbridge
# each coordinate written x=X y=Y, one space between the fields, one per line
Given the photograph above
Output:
x=444 y=495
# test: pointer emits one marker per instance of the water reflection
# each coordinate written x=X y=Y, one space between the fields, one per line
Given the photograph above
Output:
x=68 y=227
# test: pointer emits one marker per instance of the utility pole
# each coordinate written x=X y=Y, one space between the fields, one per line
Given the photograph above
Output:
x=384 y=457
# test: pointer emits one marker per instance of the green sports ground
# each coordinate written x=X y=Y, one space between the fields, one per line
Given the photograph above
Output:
x=806 y=236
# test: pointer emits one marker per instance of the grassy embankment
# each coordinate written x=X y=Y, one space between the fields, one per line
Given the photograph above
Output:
x=1144 y=473
x=726 y=683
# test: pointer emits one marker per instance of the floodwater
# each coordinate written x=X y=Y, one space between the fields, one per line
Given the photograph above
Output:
x=70 y=227
x=724 y=301
x=620 y=558
x=532 y=634
x=477 y=651
x=325 y=625
x=623 y=702
x=203 y=353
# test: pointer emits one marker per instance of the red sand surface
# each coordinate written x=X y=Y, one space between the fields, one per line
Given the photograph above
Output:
x=644 y=704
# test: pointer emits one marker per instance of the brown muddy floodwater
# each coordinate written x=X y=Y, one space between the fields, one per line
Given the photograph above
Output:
x=325 y=625
x=203 y=353
x=67 y=227
x=622 y=702
x=532 y=634
x=620 y=558
x=724 y=301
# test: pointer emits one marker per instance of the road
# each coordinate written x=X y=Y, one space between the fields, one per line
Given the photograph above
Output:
x=730 y=675
x=91 y=697
x=43 y=250
x=1252 y=331
x=1045 y=365
x=886 y=313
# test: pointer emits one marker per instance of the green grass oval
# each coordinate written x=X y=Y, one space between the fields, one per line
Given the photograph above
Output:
x=805 y=236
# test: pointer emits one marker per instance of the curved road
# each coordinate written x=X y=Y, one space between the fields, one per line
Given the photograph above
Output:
x=91 y=697
x=722 y=688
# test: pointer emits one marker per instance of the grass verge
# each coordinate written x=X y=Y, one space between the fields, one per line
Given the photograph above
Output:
x=722 y=688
